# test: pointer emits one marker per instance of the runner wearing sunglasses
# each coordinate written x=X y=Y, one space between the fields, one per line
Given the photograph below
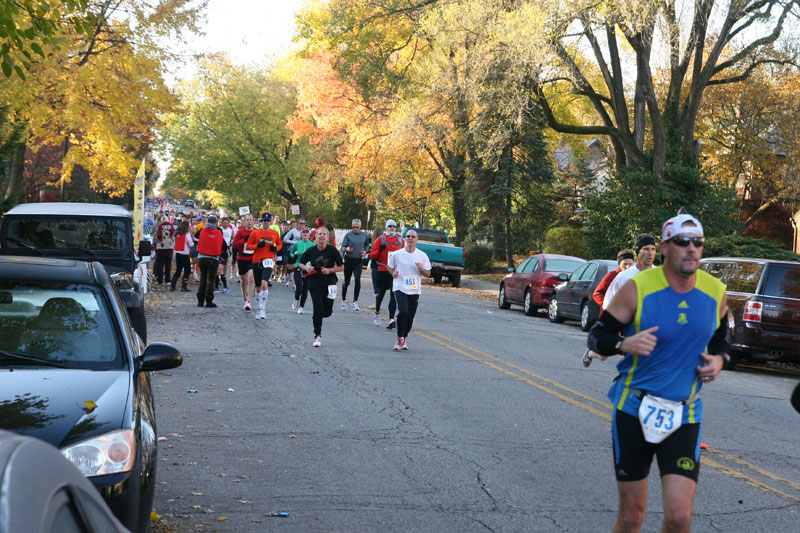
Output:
x=673 y=323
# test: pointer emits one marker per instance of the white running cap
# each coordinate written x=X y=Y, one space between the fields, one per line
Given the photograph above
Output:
x=674 y=226
x=390 y=222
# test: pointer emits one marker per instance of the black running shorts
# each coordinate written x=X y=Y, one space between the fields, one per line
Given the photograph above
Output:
x=677 y=454
x=261 y=274
x=244 y=266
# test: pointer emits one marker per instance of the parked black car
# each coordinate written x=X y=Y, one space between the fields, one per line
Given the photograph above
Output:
x=763 y=306
x=573 y=298
x=75 y=374
x=86 y=232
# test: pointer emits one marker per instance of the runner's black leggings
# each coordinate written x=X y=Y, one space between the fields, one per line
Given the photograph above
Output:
x=352 y=267
x=385 y=284
x=300 y=287
x=323 y=306
x=406 y=309
x=184 y=265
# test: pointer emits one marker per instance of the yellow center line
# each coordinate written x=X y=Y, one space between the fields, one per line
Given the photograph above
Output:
x=529 y=381
x=586 y=397
x=479 y=356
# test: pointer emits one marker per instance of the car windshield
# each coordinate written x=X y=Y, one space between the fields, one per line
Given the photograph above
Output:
x=50 y=233
x=561 y=265
x=67 y=323
x=431 y=236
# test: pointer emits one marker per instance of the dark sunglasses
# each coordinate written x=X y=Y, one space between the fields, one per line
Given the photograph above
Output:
x=356 y=227
x=684 y=240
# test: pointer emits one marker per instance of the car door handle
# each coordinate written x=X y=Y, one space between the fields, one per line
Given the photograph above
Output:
x=438 y=250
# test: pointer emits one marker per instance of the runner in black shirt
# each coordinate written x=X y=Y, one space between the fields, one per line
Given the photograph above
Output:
x=321 y=263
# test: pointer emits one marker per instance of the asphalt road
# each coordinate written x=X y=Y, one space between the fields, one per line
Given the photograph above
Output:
x=488 y=423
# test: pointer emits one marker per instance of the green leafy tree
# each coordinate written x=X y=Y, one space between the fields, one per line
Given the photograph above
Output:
x=233 y=139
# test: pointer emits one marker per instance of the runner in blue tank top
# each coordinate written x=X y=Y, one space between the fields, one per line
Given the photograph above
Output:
x=674 y=329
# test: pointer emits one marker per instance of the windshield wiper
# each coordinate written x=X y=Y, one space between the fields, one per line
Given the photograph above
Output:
x=72 y=246
x=22 y=358
x=26 y=244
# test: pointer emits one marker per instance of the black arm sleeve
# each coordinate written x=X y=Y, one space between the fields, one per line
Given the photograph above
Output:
x=719 y=344
x=604 y=335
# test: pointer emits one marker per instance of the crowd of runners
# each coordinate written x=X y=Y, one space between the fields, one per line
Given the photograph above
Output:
x=257 y=252
x=666 y=324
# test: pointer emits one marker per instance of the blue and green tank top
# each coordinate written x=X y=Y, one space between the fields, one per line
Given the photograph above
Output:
x=686 y=322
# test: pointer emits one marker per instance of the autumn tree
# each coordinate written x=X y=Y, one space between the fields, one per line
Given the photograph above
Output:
x=751 y=139
x=96 y=93
x=27 y=27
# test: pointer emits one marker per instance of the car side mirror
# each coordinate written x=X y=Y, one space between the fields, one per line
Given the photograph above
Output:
x=145 y=248
x=511 y=270
x=160 y=356
x=563 y=276
x=131 y=299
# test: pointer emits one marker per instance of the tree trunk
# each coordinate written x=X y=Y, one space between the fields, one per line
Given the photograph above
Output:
x=15 y=173
x=460 y=208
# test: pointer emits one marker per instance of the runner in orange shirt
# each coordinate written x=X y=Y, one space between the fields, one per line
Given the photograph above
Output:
x=265 y=242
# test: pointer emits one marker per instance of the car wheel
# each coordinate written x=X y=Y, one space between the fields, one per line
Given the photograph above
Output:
x=586 y=320
x=530 y=310
x=138 y=321
x=552 y=311
x=502 y=301
x=437 y=277
x=455 y=280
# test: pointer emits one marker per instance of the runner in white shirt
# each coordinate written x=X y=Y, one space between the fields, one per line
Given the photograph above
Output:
x=407 y=266
x=645 y=247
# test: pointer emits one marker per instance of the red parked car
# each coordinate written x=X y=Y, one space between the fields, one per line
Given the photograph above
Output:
x=532 y=282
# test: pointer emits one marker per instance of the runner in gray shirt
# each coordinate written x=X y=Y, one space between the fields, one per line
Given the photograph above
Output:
x=354 y=249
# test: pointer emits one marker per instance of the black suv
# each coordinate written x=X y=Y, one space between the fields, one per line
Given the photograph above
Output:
x=86 y=232
x=763 y=306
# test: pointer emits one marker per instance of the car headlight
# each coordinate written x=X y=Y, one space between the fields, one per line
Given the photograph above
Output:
x=123 y=280
x=110 y=453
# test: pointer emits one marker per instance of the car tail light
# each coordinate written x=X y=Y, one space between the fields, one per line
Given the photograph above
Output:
x=752 y=312
x=463 y=254
x=551 y=281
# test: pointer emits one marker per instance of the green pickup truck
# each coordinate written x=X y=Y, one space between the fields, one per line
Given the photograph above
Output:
x=446 y=259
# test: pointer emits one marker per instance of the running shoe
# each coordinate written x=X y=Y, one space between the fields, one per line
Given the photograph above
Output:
x=288 y=281
x=404 y=345
x=398 y=345
x=377 y=320
x=295 y=305
x=269 y=284
x=225 y=290
x=586 y=360
x=246 y=306
x=300 y=311
x=216 y=291
x=392 y=324
x=344 y=306
x=317 y=342
x=355 y=307
x=196 y=276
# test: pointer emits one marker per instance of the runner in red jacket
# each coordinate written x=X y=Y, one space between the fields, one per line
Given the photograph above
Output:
x=388 y=243
x=244 y=259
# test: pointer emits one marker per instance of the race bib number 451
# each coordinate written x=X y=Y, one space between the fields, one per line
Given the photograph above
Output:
x=266 y=263
x=659 y=418
x=411 y=282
